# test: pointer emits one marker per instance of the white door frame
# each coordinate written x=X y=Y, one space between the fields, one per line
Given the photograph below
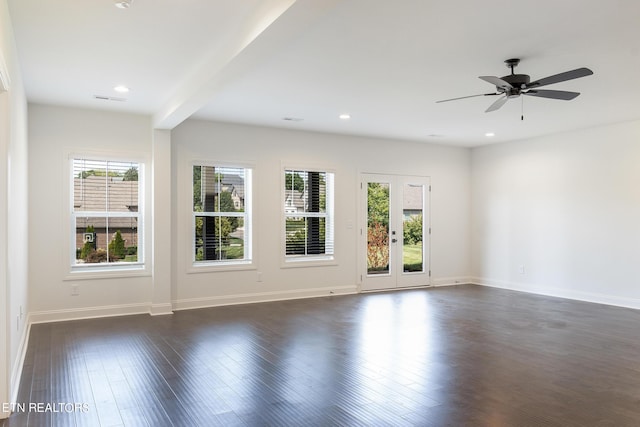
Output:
x=395 y=277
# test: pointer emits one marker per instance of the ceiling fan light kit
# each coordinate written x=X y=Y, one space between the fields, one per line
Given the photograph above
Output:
x=514 y=85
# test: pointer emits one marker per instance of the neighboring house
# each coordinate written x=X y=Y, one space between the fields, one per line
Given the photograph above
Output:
x=228 y=183
x=412 y=201
x=298 y=201
x=90 y=195
x=234 y=184
x=294 y=202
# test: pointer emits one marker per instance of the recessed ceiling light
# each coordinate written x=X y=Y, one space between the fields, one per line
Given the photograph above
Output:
x=344 y=116
x=123 y=4
x=489 y=134
x=121 y=89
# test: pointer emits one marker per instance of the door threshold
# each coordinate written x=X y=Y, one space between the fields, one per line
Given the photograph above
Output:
x=369 y=291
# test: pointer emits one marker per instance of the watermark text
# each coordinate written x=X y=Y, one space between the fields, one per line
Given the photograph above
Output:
x=41 y=407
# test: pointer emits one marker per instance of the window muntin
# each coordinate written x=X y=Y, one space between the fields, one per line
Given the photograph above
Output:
x=106 y=214
x=221 y=215
x=308 y=215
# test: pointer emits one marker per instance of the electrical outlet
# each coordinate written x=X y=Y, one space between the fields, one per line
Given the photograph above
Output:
x=521 y=269
x=75 y=290
x=259 y=276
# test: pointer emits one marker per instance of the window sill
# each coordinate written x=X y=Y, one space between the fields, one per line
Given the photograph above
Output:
x=112 y=272
x=320 y=261
x=215 y=267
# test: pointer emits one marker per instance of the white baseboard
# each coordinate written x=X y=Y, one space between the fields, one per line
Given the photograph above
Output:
x=450 y=281
x=191 y=303
x=16 y=373
x=88 y=312
x=559 y=292
x=160 y=309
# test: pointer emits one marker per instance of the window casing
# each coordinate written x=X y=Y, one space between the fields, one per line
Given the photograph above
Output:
x=106 y=214
x=221 y=215
x=308 y=216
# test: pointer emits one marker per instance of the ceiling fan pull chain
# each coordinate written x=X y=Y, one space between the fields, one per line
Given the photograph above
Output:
x=522 y=109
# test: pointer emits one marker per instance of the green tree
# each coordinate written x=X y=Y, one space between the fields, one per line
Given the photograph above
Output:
x=197 y=188
x=88 y=247
x=116 y=247
x=224 y=227
x=99 y=172
x=378 y=204
x=412 y=230
x=226 y=205
x=377 y=226
x=295 y=181
x=131 y=174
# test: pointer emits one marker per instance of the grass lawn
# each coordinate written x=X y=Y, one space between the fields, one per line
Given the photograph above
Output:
x=412 y=257
x=235 y=250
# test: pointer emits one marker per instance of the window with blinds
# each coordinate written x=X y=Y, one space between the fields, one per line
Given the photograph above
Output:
x=221 y=215
x=308 y=215
x=106 y=214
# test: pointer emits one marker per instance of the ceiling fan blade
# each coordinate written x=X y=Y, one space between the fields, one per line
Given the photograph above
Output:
x=465 y=97
x=562 y=77
x=496 y=81
x=499 y=103
x=553 y=94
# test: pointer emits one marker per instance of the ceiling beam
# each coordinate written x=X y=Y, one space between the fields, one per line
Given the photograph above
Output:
x=266 y=31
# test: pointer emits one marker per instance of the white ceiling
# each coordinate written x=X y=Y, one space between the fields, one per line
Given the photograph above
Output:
x=384 y=62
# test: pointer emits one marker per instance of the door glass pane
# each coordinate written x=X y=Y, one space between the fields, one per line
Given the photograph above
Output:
x=378 y=228
x=412 y=229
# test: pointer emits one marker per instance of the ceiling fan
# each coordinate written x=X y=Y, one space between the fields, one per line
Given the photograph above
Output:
x=514 y=85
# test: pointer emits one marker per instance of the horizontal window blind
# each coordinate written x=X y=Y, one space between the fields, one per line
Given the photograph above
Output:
x=308 y=211
x=221 y=214
x=106 y=212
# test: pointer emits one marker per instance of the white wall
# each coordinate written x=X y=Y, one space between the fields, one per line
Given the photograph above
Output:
x=54 y=132
x=567 y=208
x=267 y=149
x=13 y=221
x=57 y=131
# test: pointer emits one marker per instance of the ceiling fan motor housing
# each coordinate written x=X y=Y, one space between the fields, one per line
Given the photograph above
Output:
x=518 y=81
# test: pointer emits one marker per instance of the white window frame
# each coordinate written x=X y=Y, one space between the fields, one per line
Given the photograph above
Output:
x=107 y=270
x=289 y=261
x=248 y=263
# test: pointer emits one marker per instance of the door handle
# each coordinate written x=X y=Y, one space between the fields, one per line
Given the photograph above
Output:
x=394 y=240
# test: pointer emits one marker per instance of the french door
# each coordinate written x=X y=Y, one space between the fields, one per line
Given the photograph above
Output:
x=394 y=231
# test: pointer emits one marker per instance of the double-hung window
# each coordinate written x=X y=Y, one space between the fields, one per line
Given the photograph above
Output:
x=106 y=215
x=308 y=215
x=221 y=215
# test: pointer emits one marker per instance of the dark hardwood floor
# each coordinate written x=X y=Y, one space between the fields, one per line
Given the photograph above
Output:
x=457 y=356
